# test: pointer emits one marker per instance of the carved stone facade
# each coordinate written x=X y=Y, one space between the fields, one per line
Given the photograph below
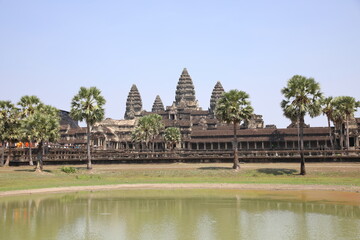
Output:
x=113 y=134
x=256 y=121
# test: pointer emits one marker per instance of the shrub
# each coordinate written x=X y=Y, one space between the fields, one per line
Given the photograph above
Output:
x=68 y=169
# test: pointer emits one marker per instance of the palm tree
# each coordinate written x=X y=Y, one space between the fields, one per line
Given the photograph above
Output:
x=157 y=126
x=345 y=107
x=28 y=107
x=233 y=107
x=148 y=128
x=172 y=136
x=44 y=123
x=9 y=128
x=88 y=105
x=139 y=135
x=328 y=109
x=302 y=96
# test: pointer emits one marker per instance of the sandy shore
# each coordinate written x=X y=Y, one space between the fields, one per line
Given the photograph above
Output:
x=186 y=186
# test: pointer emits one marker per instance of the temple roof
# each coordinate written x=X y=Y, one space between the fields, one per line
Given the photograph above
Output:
x=158 y=105
x=215 y=95
x=185 y=92
x=133 y=103
x=114 y=122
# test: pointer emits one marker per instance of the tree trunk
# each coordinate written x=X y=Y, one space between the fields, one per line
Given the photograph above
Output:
x=152 y=147
x=330 y=134
x=298 y=132
x=341 y=137
x=336 y=146
x=8 y=156
x=39 y=164
x=347 y=133
x=89 y=166
x=2 y=154
x=236 y=165
x=302 y=161
x=31 y=163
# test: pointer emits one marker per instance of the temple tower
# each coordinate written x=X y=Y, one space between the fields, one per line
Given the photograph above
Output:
x=158 y=105
x=185 y=92
x=133 y=103
x=215 y=95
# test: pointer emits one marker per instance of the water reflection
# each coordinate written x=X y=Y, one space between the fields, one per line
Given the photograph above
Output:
x=190 y=214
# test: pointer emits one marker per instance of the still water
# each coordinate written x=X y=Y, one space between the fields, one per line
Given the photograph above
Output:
x=182 y=214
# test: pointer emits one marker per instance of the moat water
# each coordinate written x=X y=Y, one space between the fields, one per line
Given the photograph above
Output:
x=182 y=214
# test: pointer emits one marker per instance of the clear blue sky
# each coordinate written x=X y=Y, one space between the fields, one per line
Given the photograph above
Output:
x=51 y=48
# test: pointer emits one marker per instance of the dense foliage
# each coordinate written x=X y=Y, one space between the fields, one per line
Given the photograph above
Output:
x=147 y=129
x=172 y=136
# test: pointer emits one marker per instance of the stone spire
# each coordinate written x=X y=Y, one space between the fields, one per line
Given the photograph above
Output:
x=215 y=95
x=158 y=105
x=185 y=92
x=133 y=103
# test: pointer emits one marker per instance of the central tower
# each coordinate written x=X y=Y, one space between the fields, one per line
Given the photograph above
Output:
x=185 y=92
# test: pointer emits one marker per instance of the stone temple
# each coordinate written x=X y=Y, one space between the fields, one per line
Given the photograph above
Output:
x=200 y=130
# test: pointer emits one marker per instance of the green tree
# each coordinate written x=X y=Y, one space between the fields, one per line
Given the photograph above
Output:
x=29 y=105
x=328 y=109
x=233 y=108
x=44 y=123
x=157 y=127
x=147 y=129
x=87 y=106
x=172 y=136
x=302 y=96
x=345 y=107
x=9 y=128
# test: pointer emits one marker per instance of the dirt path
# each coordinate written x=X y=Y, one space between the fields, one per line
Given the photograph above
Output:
x=186 y=186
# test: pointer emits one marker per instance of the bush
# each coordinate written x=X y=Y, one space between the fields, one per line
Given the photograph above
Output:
x=68 y=169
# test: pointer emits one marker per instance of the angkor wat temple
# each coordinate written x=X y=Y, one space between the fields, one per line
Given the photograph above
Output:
x=200 y=129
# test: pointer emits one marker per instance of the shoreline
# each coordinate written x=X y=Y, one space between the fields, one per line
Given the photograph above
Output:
x=171 y=186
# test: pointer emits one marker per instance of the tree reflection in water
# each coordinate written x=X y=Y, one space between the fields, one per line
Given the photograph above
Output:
x=177 y=214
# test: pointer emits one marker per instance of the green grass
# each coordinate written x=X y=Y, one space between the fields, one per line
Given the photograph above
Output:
x=16 y=178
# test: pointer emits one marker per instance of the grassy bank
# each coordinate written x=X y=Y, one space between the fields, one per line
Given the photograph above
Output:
x=24 y=177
